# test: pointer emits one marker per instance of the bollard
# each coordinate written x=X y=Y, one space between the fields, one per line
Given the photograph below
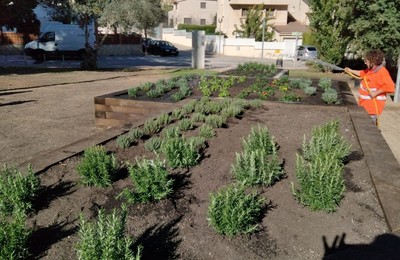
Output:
x=279 y=62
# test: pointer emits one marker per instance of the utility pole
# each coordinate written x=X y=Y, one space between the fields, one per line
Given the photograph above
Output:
x=220 y=20
x=396 y=93
x=263 y=35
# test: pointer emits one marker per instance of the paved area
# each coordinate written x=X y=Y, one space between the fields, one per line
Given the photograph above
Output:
x=67 y=135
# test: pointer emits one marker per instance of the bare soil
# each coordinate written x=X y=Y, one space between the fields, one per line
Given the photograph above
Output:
x=177 y=227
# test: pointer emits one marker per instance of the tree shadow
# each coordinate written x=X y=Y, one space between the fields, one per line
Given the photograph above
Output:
x=13 y=92
x=49 y=193
x=42 y=238
x=385 y=247
x=160 y=241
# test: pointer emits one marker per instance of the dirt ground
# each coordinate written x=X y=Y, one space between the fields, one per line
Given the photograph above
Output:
x=177 y=228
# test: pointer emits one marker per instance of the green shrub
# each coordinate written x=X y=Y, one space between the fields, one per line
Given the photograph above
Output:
x=178 y=114
x=163 y=120
x=146 y=86
x=154 y=93
x=256 y=167
x=151 y=181
x=135 y=133
x=17 y=191
x=330 y=96
x=14 y=236
x=180 y=153
x=132 y=92
x=177 y=96
x=209 y=29
x=171 y=132
x=96 y=167
x=309 y=91
x=185 y=124
x=326 y=139
x=321 y=183
x=290 y=97
x=232 y=111
x=255 y=103
x=206 y=131
x=151 y=127
x=198 y=117
x=105 y=238
x=199 y=142
x=153 y=144
x=325 y=83
x=215 y=121
x=123 y=141
x=233 y=212
x=259 y=139
x=189 y=107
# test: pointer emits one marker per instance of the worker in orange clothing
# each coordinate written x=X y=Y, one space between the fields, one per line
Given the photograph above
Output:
x=375 y=84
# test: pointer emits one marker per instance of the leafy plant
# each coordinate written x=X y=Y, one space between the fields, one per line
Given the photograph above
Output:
x=330 y=96
x=153 y=144
x=135 y=133
x=105 y=238
x=151 y=181
x=321 y=183
x=151 y=127
x=325 y=83
x=132 y=92
x=153 y=93
x=326 y=139
x=171 y=132
x=17 y=191
x=14 y=236
x=259 y=138
x=290 y=97
x=255 y=103
x=185 y=124
x=254 y=167
x=309 y=91
x=206 y=131
x=233 y=212
x=146 y=86
x=215 y=121
x=198 y=117
x=177 y=96
x=163 y=120
x=123 y=141
x=180 y=153
x=178 y=114
x=96 y=167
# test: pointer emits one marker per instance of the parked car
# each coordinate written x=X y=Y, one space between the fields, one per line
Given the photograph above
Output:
x=162 y=48
x=305 y=52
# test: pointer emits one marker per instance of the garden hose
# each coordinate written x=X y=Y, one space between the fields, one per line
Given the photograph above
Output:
x=369 y=91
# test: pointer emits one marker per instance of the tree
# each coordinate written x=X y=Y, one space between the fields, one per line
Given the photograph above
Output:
x=329 y=21
x=19 y=14
x=376 y=26
x=252 y=27
x=60 y=10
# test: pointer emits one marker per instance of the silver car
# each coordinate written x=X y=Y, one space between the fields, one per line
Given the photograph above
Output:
x=305 y=52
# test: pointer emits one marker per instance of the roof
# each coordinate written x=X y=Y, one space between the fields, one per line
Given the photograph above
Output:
x=291 y=27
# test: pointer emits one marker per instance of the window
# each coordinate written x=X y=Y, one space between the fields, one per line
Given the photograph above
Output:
x=48 y=37
x=203 y=5
x=271 y=13
x=187 y=20
x=202 y=21
x=245 y=12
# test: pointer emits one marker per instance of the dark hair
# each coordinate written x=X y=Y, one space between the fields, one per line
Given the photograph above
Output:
x=375 y=57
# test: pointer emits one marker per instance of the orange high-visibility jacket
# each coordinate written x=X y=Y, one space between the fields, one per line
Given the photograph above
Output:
x=377 y=78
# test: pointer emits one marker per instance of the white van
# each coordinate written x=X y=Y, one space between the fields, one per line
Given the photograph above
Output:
x=58 y=40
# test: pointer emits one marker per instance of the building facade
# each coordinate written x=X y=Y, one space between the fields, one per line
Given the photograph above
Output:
x=199 y=12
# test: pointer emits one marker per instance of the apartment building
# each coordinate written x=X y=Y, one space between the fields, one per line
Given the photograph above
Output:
x=200 y=12
x=289 y=17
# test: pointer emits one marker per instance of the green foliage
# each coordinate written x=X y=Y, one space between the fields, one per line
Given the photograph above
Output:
x=151 y=181
x=330 y=24
x=326 y=139
x=232 y=211
x=375 y=26
x=259 y=139
x=290 y=97
x=178 y=114
x=252 y=27
x=256 y=103
x=135 y=133
x=321 y=182
x=265 y=70
x=163 y=120
x=257 y=167
x=177 y=96
x=330 y=96
x=171 y=132
x=320 y=177
x=198 y=117
x=154 y=93
x=209 y=29
x=310 y=91
x=133 y=92
x=105 y=238
x=96 y=167
x=14 y=236
x=146 y=86
x=17 y=191
x=180 y=153
x=215 y=121
x=124 y=141
x=185 y=124
x=153 y=144
x=325 y=83
x=151 y=127
x=207 y=131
